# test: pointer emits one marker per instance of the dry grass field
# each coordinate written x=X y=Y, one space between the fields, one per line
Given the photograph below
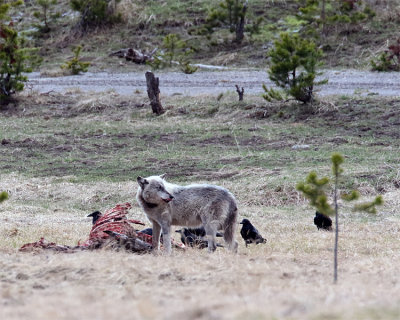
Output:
x=68 y=155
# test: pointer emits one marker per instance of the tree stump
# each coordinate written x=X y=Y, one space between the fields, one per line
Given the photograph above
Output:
x=154 y=93
x=240 y=92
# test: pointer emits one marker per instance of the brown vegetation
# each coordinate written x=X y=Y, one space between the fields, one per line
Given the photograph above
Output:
x=67 y=155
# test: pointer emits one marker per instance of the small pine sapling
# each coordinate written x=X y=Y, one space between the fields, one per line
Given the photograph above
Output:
x=174 y=51
x=15 y=58
x=94 y=13
x=312 y=17
x=254 y=28
x=271 y=94
x=293 y=67
x=315 y=190
x=369 y=207
x=351 y=12
x=157 y=62
x=3 y=196
x=75 y=66
x=184 y=60
x=230 y=14
x=384 y=63
x=172 y=43
x=389 y=60
x=318 y=17
x=186 y=67
x=46 y=15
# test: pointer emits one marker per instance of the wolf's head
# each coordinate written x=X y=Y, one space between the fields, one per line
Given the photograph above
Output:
x=153 y=190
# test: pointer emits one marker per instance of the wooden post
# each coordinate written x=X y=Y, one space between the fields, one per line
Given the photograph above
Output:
x=154 y=93
x=240 y=92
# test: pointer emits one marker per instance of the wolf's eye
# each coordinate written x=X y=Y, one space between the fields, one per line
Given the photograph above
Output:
x=160 y=188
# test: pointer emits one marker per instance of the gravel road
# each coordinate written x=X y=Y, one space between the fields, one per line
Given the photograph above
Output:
x=214 y=82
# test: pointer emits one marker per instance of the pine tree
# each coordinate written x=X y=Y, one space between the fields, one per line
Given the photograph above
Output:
x=46 y=14
x=174 y=50
x=15 y=58
x=389 y=60
x=75 y=65
x=315 y=190
x=293 y=66
x=319 y=16
x=94 y=13
x=231 y=14
x=172 y=44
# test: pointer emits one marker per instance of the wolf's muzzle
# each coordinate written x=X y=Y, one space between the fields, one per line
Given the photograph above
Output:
x=170 y=198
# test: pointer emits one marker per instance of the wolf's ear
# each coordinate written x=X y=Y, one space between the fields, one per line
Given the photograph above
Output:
x=163 y=175
x=142 y=181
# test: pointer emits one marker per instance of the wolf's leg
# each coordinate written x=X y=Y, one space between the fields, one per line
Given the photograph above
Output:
x=166 y=232
x=211 y=232
x=156 y=235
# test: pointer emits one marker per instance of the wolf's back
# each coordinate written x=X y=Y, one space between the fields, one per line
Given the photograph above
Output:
x=215 y=202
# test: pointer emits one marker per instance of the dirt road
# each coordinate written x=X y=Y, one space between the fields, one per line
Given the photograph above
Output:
x=215 y=82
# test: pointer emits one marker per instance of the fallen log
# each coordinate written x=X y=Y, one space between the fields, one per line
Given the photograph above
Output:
x=133 y=55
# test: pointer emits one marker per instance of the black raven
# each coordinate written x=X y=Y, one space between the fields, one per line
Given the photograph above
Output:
x=322 y=221
x=148 y=231
x=192 y=240
x=96 y=215
x=196 y=237
x=250 y=234
x=201 y=232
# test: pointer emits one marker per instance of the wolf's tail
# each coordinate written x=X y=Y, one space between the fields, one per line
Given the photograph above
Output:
x=230 y=227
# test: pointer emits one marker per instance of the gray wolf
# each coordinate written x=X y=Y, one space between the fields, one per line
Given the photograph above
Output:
x=250 y=234
x=167 y=204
